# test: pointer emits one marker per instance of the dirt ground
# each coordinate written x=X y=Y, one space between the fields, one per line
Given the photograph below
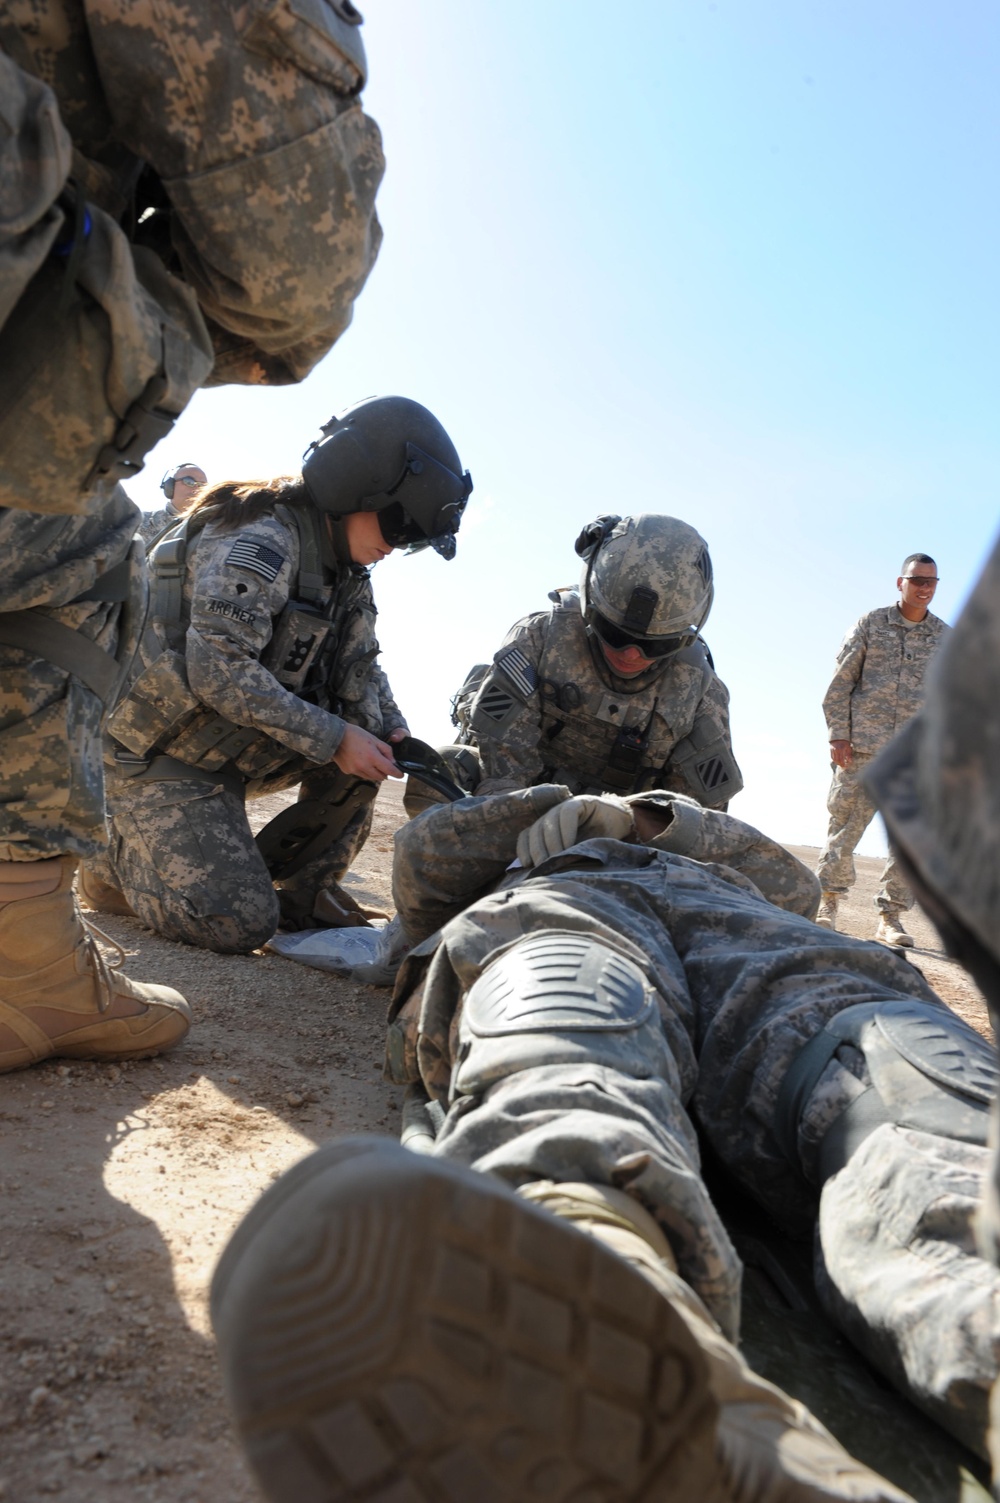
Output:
x=120 y=1186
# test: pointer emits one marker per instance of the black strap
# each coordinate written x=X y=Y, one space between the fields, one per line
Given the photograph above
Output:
x=44 y=637
x=113 y=584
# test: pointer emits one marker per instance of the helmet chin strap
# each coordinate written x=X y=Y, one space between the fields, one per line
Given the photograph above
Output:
x=338 y=553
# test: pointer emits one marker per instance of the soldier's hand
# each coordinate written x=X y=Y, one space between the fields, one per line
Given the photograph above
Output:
x=584 y=817
x=841 y=754
x=362 y=755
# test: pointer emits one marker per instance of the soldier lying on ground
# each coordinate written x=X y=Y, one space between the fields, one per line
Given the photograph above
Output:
x=258 y=672
x=394 y=1318
x=188 y=198
x=611 y=688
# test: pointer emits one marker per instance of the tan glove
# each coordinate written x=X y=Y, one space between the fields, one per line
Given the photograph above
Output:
x=584 y=817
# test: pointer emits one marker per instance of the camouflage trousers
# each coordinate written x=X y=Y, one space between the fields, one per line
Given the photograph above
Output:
x=183 y=853
x=51 y=774
x=851 y=812
x=742 y=988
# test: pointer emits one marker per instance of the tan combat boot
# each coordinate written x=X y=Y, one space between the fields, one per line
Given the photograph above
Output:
x=770 y=1446
x=891 y=932
x=58 y=994
x=392 y=1325
x=101 y=896
x=827 y=914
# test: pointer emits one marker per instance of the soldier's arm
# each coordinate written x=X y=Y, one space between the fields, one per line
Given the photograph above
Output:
x=241 y=584
x=392 y=716
x=837 y=700
x=703 y=765
x=679 y=825
x=505 y=718
x=268 y=163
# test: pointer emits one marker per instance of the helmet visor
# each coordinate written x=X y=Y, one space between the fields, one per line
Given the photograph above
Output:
x=428 y=500
x=651 y=647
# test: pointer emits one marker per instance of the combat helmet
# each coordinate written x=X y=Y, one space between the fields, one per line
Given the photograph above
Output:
x=391 y=456
x=646 y=580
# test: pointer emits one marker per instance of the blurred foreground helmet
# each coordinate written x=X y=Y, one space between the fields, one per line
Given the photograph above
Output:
x=646 y=581
x=390 y=455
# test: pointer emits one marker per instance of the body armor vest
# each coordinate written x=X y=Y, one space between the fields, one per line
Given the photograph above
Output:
x=322 y=647
x=595 y=738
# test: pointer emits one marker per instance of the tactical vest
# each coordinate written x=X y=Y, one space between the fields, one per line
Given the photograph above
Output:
x=595 y=738
x=159 y=714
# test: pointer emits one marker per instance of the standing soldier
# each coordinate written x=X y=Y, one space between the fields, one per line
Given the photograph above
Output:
x=188 y=198
x=877 y=688
x=612 y=689
x=180 y=486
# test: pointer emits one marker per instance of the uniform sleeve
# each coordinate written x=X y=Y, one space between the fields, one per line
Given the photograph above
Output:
x=392 y=716
x=505 y=718
x=703 y=765
x=837 y=700
x=251 y=121
x=241 y=582
x=710 y=835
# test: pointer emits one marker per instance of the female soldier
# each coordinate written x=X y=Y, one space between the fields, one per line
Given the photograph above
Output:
x=257 y=670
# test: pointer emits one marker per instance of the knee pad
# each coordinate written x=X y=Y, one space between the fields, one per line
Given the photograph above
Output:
x=558 y=998
x=927 y=1069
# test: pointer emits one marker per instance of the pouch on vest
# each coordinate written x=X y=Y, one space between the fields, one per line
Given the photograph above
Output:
x=157 y=707
x=98 y=358
x=295 y=645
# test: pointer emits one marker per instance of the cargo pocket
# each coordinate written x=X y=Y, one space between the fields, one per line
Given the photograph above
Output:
x=322 y=38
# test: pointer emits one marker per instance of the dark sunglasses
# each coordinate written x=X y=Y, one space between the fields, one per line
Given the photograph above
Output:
x=925 y=579
x=650 y=647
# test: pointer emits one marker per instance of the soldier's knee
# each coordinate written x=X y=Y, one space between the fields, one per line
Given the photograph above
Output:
x=209 y=921
x=904 y=1062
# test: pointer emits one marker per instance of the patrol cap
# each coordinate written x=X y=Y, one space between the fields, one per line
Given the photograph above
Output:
x=391 y=456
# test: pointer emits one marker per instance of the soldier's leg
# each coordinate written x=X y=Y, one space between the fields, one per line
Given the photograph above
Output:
x=58 y=995
x=184 y=856
x=812 y=1041
x=891 y=900
x=393 y=1325
x=851 y=812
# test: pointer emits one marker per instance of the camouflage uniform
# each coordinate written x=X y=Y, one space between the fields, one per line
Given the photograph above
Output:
x=877 y=688
x=550 y=710
x=740 y=988
x=153 y=523
x=240 y=132
x=181 y=849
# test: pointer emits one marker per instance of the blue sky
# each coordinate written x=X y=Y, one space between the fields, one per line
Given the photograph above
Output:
x=733 y=262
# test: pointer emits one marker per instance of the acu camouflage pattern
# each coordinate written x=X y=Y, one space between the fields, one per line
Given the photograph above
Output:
x=182 y=852
x=51 y=783
x=207 y=664
x=242 y=129
x=879 y=682
x=742 y=987
x=262 y=169
x=559 y=717
x=877 y=688
x=181 y=848
x=938 y=788
x=152 y=523
x=851 y=811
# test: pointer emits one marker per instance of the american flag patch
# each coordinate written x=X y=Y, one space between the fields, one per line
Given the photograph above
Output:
x=518 y=669
x=257 y=557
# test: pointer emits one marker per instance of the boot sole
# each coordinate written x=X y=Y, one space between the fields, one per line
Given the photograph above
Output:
x=396 y=1329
